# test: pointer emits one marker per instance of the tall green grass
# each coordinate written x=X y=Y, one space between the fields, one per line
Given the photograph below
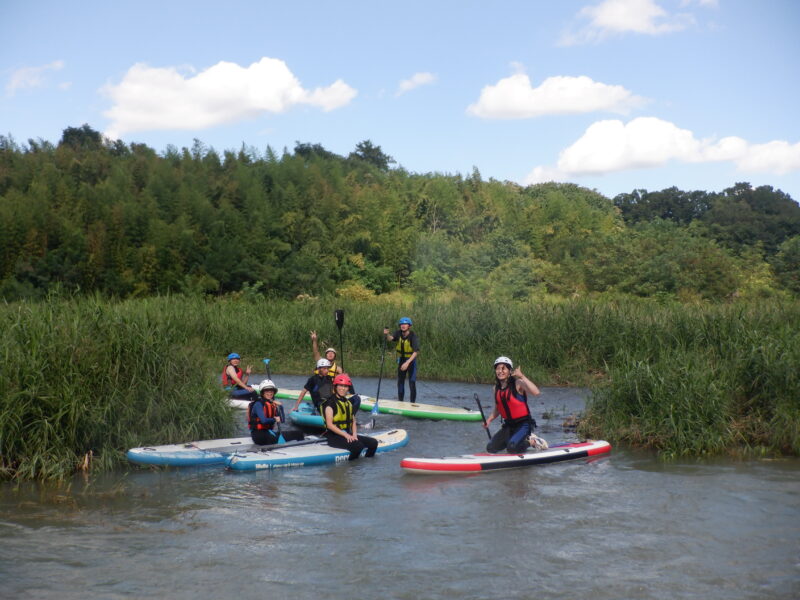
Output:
x=81 y=380
x=705 y=380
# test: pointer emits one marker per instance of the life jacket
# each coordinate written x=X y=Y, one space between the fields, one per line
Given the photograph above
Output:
x=403 y=346
x=342 y=413
x=322 y=389
x=226 y=380
x=252 y=418
x=511 y=404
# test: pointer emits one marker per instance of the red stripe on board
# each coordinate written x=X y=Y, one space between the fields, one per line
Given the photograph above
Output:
x=428 y=466
x=600 y=450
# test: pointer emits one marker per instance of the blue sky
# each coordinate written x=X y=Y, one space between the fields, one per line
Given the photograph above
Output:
x=614 y=95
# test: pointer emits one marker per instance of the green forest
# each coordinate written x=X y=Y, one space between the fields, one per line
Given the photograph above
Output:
x=87 y=215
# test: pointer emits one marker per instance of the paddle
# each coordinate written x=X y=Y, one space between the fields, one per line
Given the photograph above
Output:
x=268 y=447
x=282 y=415
x=483 y=416
x=378 y=393
x=338 y=316
x=266 y=364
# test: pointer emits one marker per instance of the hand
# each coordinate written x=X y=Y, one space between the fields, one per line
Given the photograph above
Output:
x=314 y=336
x=385 y=331
x=278 y=420
x=248 y=370
x=404 y=366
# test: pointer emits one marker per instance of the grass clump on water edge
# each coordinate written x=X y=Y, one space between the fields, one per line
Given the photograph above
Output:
x=708 y=380
x=82 y=380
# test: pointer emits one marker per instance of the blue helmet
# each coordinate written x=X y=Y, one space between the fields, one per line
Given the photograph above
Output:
x=405 y=321
x=233 y=355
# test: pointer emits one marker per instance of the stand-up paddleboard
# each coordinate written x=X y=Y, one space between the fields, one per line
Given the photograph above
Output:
x=282 y=395
x=421 y=411
x=306 y=416
x=206 y=452
x=299 y=454
x=473 y=463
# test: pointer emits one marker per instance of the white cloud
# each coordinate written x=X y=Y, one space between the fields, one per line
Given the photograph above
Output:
x=31 y=77
x=515 y=98
x=162 y=98
x=611 y=145
x=416 y=80
x=615 y=17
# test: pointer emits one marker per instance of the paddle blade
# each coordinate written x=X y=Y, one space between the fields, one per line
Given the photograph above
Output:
x=374 y=410
x=338 y=316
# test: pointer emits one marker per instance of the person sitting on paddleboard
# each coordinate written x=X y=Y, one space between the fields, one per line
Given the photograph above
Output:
x=263 y=414
x=407 y=352
x=511 y=391
x=235 y=381
x=319 y=385
x=341 y=428
x=330 y=354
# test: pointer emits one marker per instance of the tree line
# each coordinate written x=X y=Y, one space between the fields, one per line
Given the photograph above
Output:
x=90 y=215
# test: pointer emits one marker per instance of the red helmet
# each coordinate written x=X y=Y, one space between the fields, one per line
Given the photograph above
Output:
x=342 y=379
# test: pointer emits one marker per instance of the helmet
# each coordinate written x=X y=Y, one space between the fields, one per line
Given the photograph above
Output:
x=405 y=321
x=323 y=362
x=504 y=360
x=342 y=379
x=331 y=350
x=233 y=355
x=267 y=384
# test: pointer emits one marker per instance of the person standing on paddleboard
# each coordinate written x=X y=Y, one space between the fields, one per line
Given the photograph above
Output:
x=341 y=428
x=330 y=355
x=407 y=352
x=511 y=391
x=264 y=414
x=235 y=381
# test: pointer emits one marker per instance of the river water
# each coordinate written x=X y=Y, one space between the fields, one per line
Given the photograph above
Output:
x=622 y=526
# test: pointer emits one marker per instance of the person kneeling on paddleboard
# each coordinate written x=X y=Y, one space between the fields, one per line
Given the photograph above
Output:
x=262 y=416
x=511 y=391
x=341 y=428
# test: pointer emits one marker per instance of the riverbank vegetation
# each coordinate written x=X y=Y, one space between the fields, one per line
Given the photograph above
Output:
x=127 y=274
x=83 y=379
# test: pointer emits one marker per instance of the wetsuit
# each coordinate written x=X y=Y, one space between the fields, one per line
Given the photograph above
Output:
x=406 y=346
x=517 y=420
x=320 y=387
x=343 y=418
x=261 y=420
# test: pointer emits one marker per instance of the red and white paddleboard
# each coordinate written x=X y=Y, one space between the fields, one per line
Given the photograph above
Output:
x=472 y=463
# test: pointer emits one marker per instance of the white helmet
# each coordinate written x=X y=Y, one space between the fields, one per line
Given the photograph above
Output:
x=323 y=362
x=504 y=360
x=267 y=384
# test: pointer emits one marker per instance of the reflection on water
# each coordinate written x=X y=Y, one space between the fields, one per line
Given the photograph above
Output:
x=622 y=526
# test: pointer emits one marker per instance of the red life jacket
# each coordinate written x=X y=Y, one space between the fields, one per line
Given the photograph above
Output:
x=226 y=380
x=511 y=404
x=253 y=422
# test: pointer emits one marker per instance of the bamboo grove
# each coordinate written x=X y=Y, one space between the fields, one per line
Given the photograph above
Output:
x=89 y=215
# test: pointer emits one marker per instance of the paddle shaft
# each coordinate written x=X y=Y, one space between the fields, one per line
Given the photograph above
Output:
x=338 y=316
x=483 y=416
x=380 y=377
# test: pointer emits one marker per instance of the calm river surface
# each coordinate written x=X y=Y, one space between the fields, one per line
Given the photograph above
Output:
x=625 y=526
